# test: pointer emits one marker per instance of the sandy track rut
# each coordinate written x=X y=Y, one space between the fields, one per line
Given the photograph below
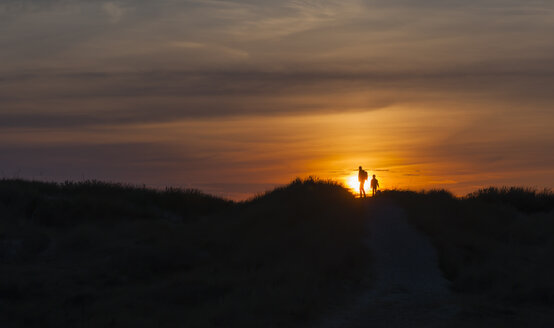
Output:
x=409 y=289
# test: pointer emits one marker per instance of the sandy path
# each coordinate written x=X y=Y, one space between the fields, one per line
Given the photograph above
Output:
x=409 y=289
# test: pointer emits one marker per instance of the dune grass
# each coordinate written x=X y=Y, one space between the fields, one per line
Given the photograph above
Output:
x=497 y=242
x=96 y=254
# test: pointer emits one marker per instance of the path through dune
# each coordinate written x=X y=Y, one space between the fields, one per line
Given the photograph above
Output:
x=409 y=289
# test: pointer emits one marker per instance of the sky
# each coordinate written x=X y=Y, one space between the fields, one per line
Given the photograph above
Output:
x=237 y=97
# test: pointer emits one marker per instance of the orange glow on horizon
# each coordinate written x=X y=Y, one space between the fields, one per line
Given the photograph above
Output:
x=328 y=146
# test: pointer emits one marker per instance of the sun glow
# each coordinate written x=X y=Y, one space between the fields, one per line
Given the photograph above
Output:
x=352 y=183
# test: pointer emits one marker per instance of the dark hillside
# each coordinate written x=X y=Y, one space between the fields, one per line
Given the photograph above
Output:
x=527 y=200
x=71 y=203
x=494 y=243
x=94 y=254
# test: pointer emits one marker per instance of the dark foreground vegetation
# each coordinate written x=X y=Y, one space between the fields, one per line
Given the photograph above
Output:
x=496 y=246
x=94 y=254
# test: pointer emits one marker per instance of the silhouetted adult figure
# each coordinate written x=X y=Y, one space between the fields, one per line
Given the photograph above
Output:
x=362 y=176
x=374 y=185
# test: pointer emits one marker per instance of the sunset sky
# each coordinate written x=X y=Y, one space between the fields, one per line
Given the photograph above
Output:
x=236 y=97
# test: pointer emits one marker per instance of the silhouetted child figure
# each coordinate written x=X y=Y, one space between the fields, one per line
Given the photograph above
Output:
x=374 y=185
x=362 y=176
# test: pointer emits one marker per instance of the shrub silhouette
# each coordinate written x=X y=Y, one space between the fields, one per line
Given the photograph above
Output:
x=523 y=199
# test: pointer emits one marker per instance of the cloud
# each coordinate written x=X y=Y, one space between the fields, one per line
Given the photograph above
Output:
x=114 y=11
x=474 y=63
x=210 y=48
x=47 y=98
x=187 y=44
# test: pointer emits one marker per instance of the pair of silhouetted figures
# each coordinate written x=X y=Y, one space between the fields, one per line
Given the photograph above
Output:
x=362 y=177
